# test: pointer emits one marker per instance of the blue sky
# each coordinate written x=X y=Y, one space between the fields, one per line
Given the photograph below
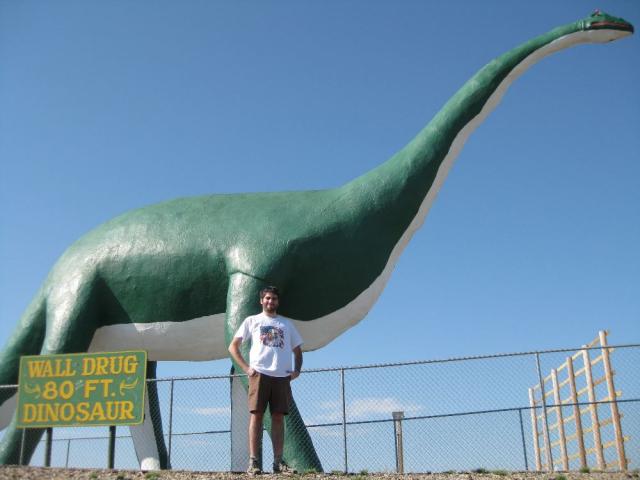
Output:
x=532 y=242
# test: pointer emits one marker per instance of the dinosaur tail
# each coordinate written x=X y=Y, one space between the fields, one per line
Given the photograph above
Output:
x=27 y=339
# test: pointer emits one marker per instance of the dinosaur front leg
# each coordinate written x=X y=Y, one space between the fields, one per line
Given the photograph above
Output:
x=242 y=301
x=148 y=440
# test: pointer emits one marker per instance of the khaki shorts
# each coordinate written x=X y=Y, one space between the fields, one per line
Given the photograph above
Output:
x=275 y=391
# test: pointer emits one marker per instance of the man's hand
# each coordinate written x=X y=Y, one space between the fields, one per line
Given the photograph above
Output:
x=297 y=356
x=234 y=350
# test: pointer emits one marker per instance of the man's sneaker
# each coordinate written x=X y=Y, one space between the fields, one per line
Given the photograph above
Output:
x=254 y=467
x=284 y=469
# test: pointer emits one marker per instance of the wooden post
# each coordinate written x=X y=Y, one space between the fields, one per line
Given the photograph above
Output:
x=593 y=408
x=576 y=413
x=560 y=419
x=615 y=414
x=534 y=429
x=545 y=419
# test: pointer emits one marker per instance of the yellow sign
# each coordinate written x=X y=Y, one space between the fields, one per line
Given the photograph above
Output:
x=83 y=389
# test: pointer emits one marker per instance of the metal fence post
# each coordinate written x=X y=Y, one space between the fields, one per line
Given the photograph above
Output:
x=545 y=422
x=524 y=443
x=170 y=421
x=22 y=440
x=66 y=461
x=344 y=421
x=397 y=430
x=112 y=447
x=47 y=447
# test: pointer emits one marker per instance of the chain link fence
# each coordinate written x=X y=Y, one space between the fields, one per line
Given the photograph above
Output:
x=451 y=415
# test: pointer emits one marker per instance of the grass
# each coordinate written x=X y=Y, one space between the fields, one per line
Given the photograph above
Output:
x=152 y=476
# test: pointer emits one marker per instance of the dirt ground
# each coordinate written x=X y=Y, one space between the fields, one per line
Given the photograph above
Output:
x=43 y=473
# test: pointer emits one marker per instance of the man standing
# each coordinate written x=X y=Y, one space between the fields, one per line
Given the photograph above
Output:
x=273 y=340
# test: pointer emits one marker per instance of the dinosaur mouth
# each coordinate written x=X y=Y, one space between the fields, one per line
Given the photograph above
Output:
x=627 y=27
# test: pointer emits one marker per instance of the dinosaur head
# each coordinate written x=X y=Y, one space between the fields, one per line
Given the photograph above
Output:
x=604 y=27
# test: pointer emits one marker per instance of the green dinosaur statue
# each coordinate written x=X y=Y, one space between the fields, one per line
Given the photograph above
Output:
x=178 y=278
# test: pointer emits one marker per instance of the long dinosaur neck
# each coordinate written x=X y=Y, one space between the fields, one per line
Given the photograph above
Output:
x=396 y=196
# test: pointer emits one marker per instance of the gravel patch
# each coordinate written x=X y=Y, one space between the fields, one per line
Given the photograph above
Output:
x=12 y=472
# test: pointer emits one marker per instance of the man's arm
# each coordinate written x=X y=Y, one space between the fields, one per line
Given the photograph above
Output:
x=297 y=358
x=234 y=350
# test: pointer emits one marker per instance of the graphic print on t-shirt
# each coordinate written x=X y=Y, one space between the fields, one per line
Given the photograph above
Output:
x=271 y=336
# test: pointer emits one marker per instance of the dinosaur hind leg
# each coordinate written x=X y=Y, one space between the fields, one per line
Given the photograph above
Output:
x=71 y=317
x=26 y=340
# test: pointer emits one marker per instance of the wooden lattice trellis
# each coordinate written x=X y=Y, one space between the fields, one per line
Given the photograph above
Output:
x=572 y=440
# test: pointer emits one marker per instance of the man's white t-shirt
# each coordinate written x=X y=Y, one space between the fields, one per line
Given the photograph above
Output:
x=272 y=342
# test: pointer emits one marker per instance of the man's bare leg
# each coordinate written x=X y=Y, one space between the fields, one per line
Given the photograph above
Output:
x=277 y=435
x=255 y=434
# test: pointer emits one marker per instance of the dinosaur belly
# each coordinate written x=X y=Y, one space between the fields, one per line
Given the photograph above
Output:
x=202 y=338
x=197 y=339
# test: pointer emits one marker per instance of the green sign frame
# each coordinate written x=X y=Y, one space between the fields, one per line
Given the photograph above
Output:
x=82 y=389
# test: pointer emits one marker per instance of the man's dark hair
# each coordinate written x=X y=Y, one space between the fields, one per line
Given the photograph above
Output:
x=271 y=289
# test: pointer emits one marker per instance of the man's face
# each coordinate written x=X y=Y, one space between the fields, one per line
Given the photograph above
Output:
x=269 y=303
